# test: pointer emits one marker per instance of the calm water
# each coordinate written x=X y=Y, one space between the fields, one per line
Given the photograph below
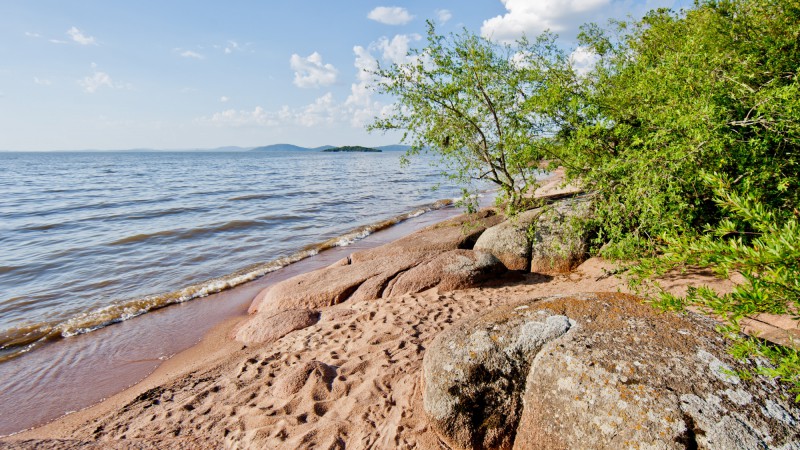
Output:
x=89 y=239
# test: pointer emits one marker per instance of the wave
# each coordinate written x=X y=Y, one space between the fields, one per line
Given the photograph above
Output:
x=252 y=197
x=190 y=232
x=20 y=340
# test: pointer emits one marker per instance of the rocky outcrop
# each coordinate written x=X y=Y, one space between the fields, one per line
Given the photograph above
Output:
x=456 y=269
x=549 y=239
x=270 y=328
x=598 y=371
x=367 y=274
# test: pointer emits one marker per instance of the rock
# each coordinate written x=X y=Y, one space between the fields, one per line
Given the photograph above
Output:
x=456 y=269
x=459 y=232
x=509 y=241
x=549 y=239
x=559 y=236
x=265 y=328
x=599 y=371
x=474 y=374
x=331 y=285
x=366 y=274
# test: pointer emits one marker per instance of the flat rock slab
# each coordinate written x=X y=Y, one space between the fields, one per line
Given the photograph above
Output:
x=602 y=371
x=455 y=269
x=365 y=275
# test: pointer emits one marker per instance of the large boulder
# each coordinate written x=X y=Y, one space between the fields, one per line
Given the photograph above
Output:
x=549 y=239
x=366 y=274
x=474 y=375
x=510 y=241
x=599 y=371
x=559 y=236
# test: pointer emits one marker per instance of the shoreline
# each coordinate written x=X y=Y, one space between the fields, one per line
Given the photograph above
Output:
x=34 y=336
x=350 y=378
x=376 y=347
x=116 y=358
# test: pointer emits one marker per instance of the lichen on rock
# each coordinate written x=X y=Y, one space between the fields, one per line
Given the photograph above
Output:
x=598 y=371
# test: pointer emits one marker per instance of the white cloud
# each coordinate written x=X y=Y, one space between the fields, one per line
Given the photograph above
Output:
x=365 y=63
x=100 y=79
x=42 y=81
x=57 y=41
x=311 y=72
x=192 y=55
x=357 y=110
x=396 y=49
x=224 y=99
x=390 y=15
x=444 y=16
x=323 y=111
x=33 y=35
x=531 y=18
x=231 y=47
x=564 y=17
x=78 y=36
x=360 y=105
x=92 y=83
x=583 y=60
x=234 y=118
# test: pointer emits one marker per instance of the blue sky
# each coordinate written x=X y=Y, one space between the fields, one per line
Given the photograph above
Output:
x=202 y=74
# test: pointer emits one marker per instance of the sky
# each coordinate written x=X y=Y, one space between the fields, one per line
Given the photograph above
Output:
x=184 y=74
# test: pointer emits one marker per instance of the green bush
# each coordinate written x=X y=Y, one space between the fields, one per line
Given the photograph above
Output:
x=689 y=134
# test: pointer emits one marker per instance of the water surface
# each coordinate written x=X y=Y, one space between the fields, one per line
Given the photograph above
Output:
x=91 y=239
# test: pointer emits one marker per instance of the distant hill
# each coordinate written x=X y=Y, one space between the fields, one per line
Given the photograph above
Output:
x=353 y=149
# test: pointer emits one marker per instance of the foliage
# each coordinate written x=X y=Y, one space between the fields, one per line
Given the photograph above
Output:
x=673 y=96
x=689 y=134
x=768 y=258
x=485 y=108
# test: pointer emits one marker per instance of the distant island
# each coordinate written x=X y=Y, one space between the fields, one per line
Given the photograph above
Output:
x=297 y=148
x=353 y=148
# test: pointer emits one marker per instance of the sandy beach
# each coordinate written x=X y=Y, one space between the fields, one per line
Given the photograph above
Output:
x=350 y=380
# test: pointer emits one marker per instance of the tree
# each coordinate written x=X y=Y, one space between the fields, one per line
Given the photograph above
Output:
x=481 y=106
